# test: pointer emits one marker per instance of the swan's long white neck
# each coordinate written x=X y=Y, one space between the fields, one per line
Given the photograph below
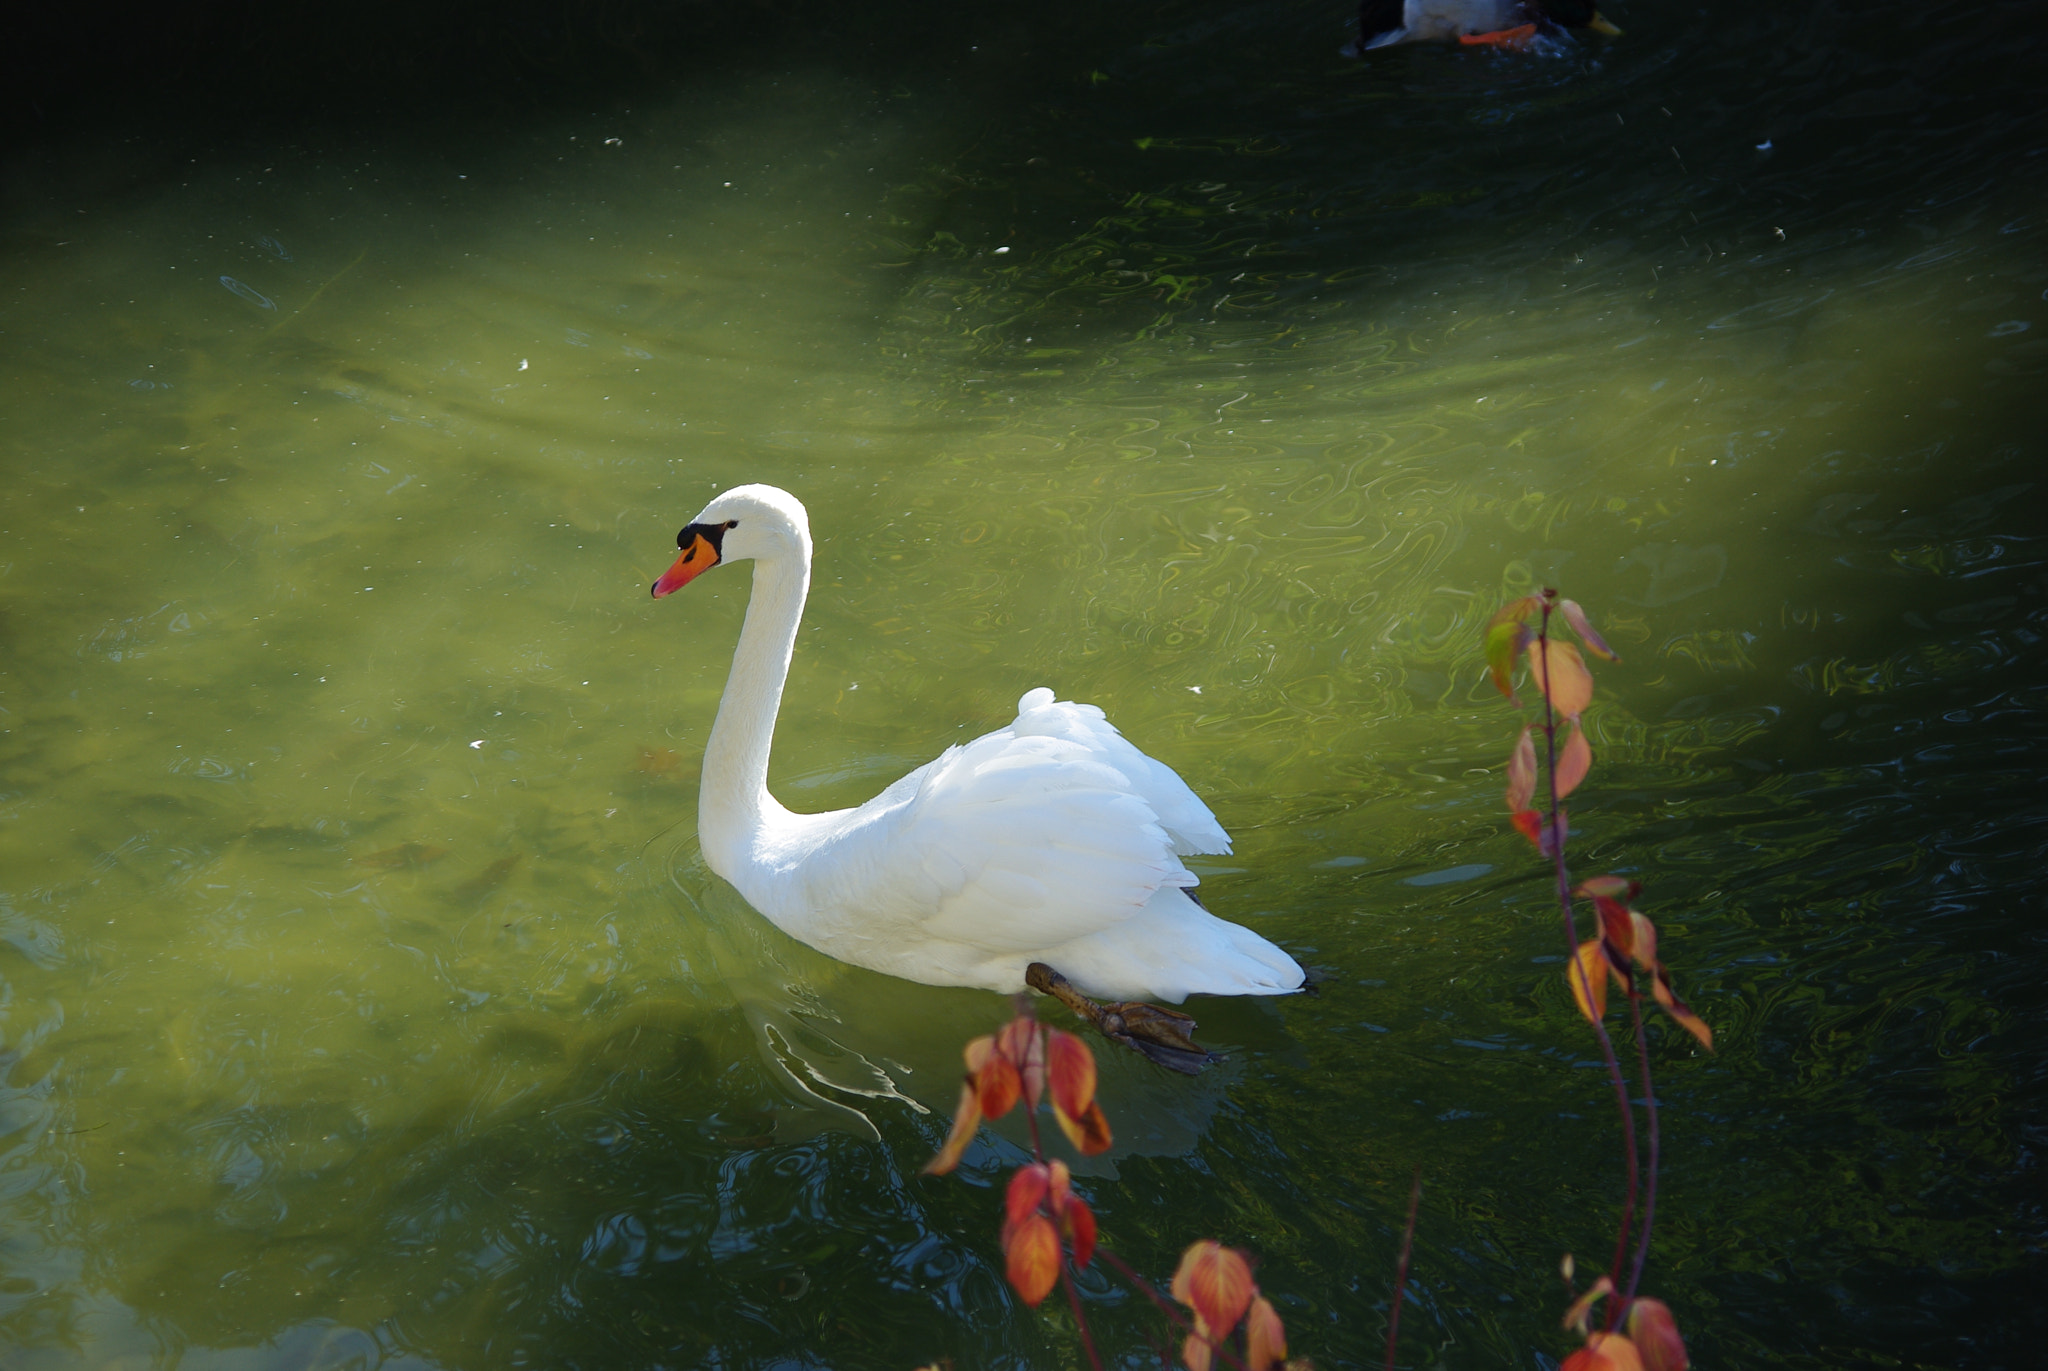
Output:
x=733 y=803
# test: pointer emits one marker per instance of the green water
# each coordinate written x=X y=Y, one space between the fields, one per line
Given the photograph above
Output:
x=363 y=997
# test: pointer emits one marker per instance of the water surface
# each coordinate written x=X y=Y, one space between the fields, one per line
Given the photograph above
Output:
x=364 y=997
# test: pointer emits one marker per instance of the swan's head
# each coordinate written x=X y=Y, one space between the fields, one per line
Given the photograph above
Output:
x=747 y=521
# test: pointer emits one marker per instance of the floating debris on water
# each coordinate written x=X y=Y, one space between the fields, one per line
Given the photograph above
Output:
x=249 y=293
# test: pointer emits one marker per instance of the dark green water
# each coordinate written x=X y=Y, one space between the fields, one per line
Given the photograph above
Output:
x=363 y=999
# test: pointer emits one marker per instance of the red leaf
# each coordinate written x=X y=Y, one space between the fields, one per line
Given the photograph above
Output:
x=1522 y=773
x=1023 y=1043
x=1071 y=1067
x=1615 y=1351
x=1090 y=1133
x=1079 y=1222
x=1529 y=824
x=1644 y=949
x=1617 y=927
x=1655 y=1334
x=966 y=1118
x=1595 y=644
x=1028 y=1190
x=1660 y=986
x=1216 y=1282
x=1575 y=763
x=1587 y=976
x=1506 y=634
x=1566 y=680
x=1031 y=1258
x=997 y=1086
x=1265 y=1339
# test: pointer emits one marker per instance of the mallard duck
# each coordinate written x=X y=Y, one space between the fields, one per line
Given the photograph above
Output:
x=1047 y=852
x=1497 y=23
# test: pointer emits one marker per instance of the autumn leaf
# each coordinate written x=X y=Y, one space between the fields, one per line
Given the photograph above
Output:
x=1587 y=976
x=1265 y=1338
x=1575 y=763
x=1028 y=1189
x=1031 y=1257
x=1522 y=773
x=1019 y=1042
x=1660 y=986
x=995 y=1078
x=1560 y=667
x=1617 y=927
x=1529 y=824
x=1613 y=887
x=1077 y=1221
x=966 y=1119
x=1506 y=635
x=1070 y=1067
x=1090 y=1133
x=1604 y=1352
x=1595 y=644
x=1216 y=1282
x=1655 y=1335
x=1197 y=1350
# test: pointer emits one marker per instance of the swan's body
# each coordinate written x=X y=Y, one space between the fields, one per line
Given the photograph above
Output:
x=1050 y=840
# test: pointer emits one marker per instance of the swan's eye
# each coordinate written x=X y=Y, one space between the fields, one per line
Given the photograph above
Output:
x=732 y=523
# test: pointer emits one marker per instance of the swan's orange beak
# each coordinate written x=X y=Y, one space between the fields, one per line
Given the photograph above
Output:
x=699 y=556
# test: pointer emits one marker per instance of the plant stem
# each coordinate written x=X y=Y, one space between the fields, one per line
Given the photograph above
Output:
x=1635 y=1275
x=1571 y=936
x=1401 y=1271
x=1080 y=1319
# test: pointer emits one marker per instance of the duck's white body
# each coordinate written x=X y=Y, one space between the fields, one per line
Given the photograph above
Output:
x=1050 y=840
x=1444 y=21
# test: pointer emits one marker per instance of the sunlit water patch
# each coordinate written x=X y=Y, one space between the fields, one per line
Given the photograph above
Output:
x=365 y=998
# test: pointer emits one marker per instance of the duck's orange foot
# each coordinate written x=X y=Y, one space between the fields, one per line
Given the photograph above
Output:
x=1514 y=39
x=1162 y=1036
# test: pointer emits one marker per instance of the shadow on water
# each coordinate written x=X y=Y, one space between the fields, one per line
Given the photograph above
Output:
x=362 y=997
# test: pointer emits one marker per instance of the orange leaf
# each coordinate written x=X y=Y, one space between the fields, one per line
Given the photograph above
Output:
x=1617 y=1352
x=1644 y=948
x=1613 y=887
x=1595 y=644
x=1031 y=1258
x=1090 y=1133
x=1506 y=635
x=997 y=1086
x=1028 y=1189
x=1021 y=1042
x=1575 y=1317
x=1529 y=824
x=966 y=1118
x=1071 y=1067
x=1059 y=1191
x=1196 y=1349
x=1660 y=986
x=1265 y=1339
x=1587 y=976
x=1617 y=927
x=1216 y=1282
x=1078 y=1220
x=1575 y=763
x=1655 y=1334
x=1522 y=773
x=1561 y=674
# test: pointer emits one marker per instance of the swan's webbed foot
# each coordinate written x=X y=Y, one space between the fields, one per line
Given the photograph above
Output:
x=1164 y=1036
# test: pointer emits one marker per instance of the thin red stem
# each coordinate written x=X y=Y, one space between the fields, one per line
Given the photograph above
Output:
x=1401 y=1271
x=1166 y=1306
x=1635 y=1275
x=1080 y=1319
x=1571 y=934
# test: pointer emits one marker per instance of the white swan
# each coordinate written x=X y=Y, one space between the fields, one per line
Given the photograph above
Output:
x=1051 y=840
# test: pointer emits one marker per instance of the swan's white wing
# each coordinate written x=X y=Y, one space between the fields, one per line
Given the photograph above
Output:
x=1181 y=812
